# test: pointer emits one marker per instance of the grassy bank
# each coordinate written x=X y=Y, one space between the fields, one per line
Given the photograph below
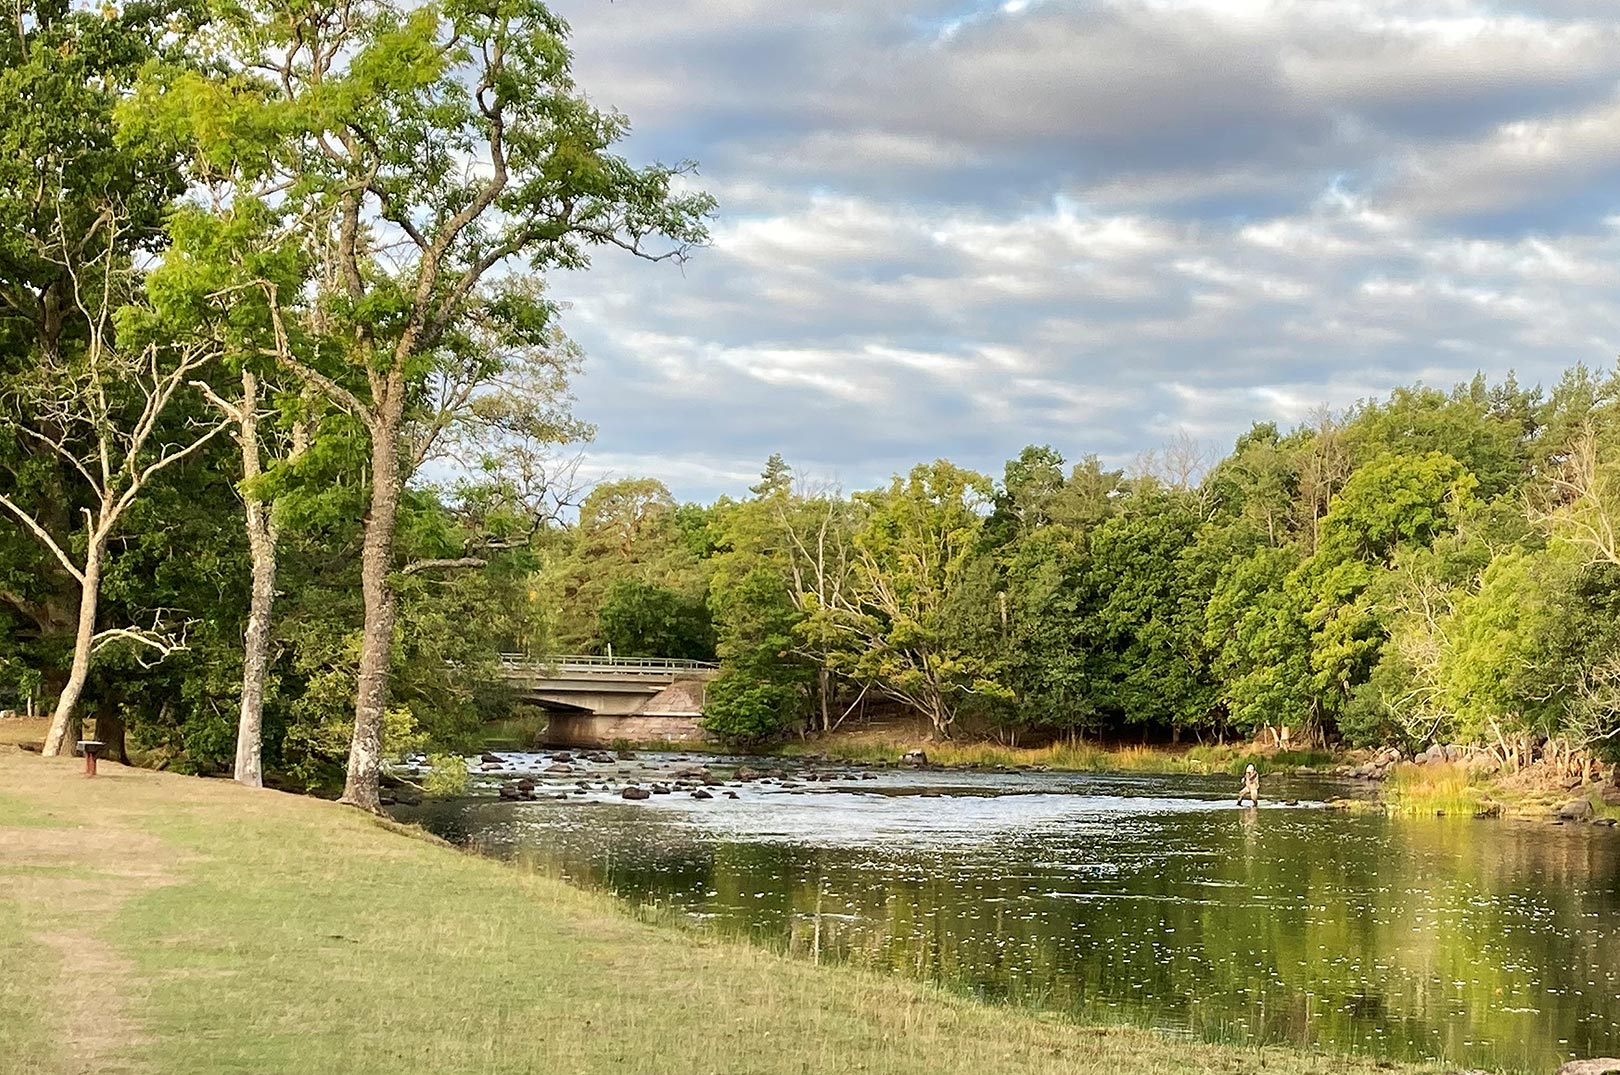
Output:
x=1455 y=790
x=1078 y=757
x=152 y=923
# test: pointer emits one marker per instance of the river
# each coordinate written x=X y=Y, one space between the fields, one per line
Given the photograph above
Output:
x=1146 y=899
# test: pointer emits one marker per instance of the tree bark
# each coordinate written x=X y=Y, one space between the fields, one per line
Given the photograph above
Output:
x=83 y=642
x=261 y=535
x=377 y=638
x=825 y=678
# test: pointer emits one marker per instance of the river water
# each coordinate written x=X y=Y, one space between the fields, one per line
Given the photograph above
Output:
x=1147 y=899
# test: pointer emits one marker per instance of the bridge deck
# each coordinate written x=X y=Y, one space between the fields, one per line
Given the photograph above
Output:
x=596 y=700
x=576 y=666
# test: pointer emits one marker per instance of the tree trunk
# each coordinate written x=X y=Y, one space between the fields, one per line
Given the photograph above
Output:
x=66 y=703
x=826 y=703
x=255 y=655
x=110 y=730
x=261 y=535
x=377 y=638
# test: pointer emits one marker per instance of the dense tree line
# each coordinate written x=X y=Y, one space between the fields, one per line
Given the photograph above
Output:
x=1432 y=567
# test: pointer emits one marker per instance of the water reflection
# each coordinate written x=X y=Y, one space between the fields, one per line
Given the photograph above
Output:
x=1145 y=898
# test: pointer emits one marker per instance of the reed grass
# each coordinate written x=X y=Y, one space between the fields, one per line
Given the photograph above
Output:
x=1064 y=755
x=1434 y=788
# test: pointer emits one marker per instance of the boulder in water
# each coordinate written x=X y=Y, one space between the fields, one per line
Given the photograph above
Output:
x=633 y=792
x=1576 y=810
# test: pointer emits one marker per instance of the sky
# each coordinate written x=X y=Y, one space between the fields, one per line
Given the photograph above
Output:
x=951 y=229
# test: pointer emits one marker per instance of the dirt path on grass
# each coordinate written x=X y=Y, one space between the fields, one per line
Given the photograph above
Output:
x=69 y=878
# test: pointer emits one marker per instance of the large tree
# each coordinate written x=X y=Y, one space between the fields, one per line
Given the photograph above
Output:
x=912 y=554
x=429 y=154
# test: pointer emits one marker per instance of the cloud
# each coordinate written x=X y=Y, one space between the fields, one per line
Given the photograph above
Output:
x=954 y=230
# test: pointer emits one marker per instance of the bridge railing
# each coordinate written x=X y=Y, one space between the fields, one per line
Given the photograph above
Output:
x=590 y=662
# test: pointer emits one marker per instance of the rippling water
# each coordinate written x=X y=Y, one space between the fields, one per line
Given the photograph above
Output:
x=1145 y=898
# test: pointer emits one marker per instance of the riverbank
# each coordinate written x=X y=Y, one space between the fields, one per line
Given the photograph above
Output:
x=888 y=744
x=178 y=925
x=1539 y=792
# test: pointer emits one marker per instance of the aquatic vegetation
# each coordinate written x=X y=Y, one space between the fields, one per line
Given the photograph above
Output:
x=1434 y=789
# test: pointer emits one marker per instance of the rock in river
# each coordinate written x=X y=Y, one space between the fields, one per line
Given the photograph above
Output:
x=633 y=792
x=1575 y=810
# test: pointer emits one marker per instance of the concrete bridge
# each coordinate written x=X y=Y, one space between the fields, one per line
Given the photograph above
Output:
x=593 y=701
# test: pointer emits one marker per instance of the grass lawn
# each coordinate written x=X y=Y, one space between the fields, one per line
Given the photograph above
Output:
x=152 y=923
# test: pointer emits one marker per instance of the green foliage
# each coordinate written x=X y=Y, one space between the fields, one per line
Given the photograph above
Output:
x=639 y=619
x=914 y=553
x=748 y=709
x=1256 y=631
x=446 y=776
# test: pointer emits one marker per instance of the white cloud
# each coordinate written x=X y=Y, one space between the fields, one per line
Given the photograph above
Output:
x=950 y=231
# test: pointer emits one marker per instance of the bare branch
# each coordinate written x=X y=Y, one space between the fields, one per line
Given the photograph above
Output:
x=333 y=391
x=156 y=638
x=435 y=565
x=233 y=412
x=43 y=535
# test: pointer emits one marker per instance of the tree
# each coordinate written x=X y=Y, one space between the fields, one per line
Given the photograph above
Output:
x=1261 y=647
x=627 y=530
x=815 y=529
x=1147 y=628
x=78 y=201
x=425 y=152
x=639 y=619
x=105 y=414
x=223 y=267
x=911 y=553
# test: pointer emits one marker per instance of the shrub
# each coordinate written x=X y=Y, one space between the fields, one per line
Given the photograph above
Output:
x=446 y=777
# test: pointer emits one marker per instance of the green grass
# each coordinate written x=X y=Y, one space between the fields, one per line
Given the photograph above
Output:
x=259 y=932
x=1436 y=788
x=24 y=1037
x=1069 y=756
x=19 y=813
